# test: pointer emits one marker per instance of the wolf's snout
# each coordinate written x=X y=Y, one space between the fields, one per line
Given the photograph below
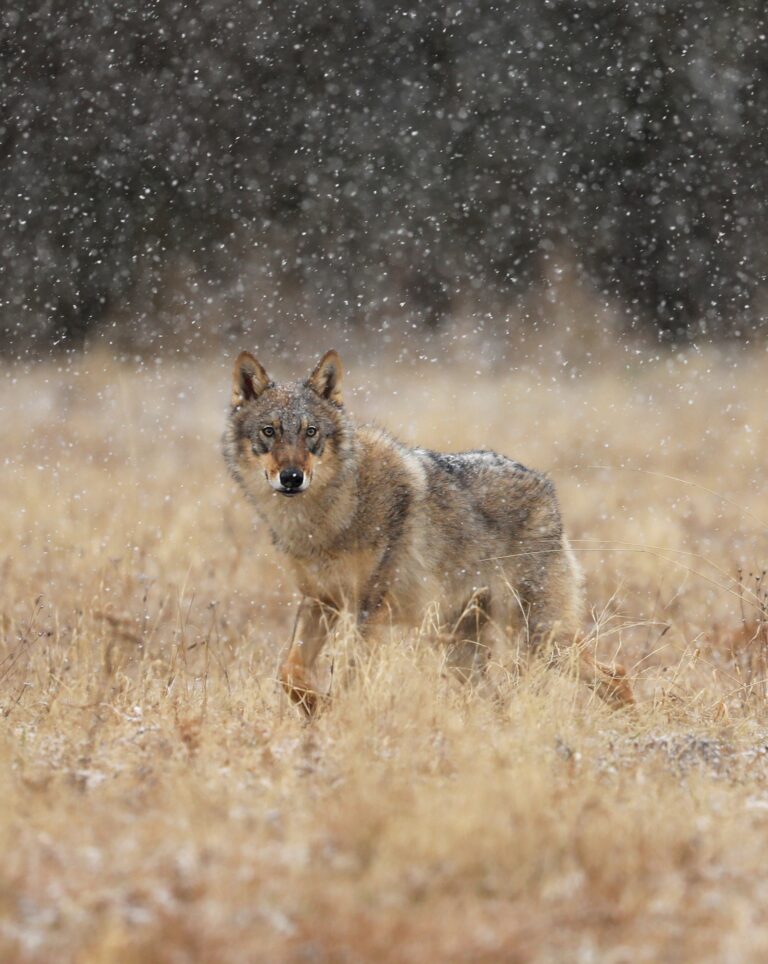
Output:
x=291 y=479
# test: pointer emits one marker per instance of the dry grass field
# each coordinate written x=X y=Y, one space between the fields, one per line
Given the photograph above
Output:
x=160 y=799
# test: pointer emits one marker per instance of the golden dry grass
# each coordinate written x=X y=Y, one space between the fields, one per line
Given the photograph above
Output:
x=162 y=802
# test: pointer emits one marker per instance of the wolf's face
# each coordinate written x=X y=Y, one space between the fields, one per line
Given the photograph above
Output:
x=285 y=436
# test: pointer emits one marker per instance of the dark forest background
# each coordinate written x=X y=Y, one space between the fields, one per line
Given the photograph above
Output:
x=374 y=158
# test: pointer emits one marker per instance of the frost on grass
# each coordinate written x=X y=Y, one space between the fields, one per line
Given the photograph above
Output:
x=162 y=801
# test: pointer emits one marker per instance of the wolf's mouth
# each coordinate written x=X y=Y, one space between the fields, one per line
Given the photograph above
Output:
x=289 y=492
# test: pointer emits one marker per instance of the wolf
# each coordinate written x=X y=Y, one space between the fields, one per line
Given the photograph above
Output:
x=388 y=533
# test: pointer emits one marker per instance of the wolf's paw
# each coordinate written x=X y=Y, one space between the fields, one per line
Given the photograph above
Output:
x=614 y=687
x=299 y=690
x=305 y=699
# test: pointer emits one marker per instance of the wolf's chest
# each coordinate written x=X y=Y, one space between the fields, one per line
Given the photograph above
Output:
x=341 y=578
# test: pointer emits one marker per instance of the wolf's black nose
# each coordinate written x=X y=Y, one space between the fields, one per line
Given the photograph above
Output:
x=291 y=479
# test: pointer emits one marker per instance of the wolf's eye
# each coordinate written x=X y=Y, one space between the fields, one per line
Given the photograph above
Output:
x=268 y=431
x=311 y=431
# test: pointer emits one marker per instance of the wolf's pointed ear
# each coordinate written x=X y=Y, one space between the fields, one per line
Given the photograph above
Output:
x=248 y=379
x=327 y=376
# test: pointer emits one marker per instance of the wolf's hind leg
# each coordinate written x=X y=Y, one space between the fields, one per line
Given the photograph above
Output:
x=610 y=683
x=314 y=624
x=469 y=646
x=554 y=613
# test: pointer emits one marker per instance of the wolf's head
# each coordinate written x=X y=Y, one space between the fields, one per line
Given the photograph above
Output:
x=282 y=439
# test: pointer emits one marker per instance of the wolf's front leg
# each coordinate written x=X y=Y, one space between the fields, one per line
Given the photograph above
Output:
x=314 y=624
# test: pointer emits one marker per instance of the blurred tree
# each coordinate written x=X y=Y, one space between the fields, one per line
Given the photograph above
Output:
x=380 y=153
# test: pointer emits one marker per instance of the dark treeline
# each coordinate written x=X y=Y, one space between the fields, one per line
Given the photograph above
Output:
x=377 y=157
